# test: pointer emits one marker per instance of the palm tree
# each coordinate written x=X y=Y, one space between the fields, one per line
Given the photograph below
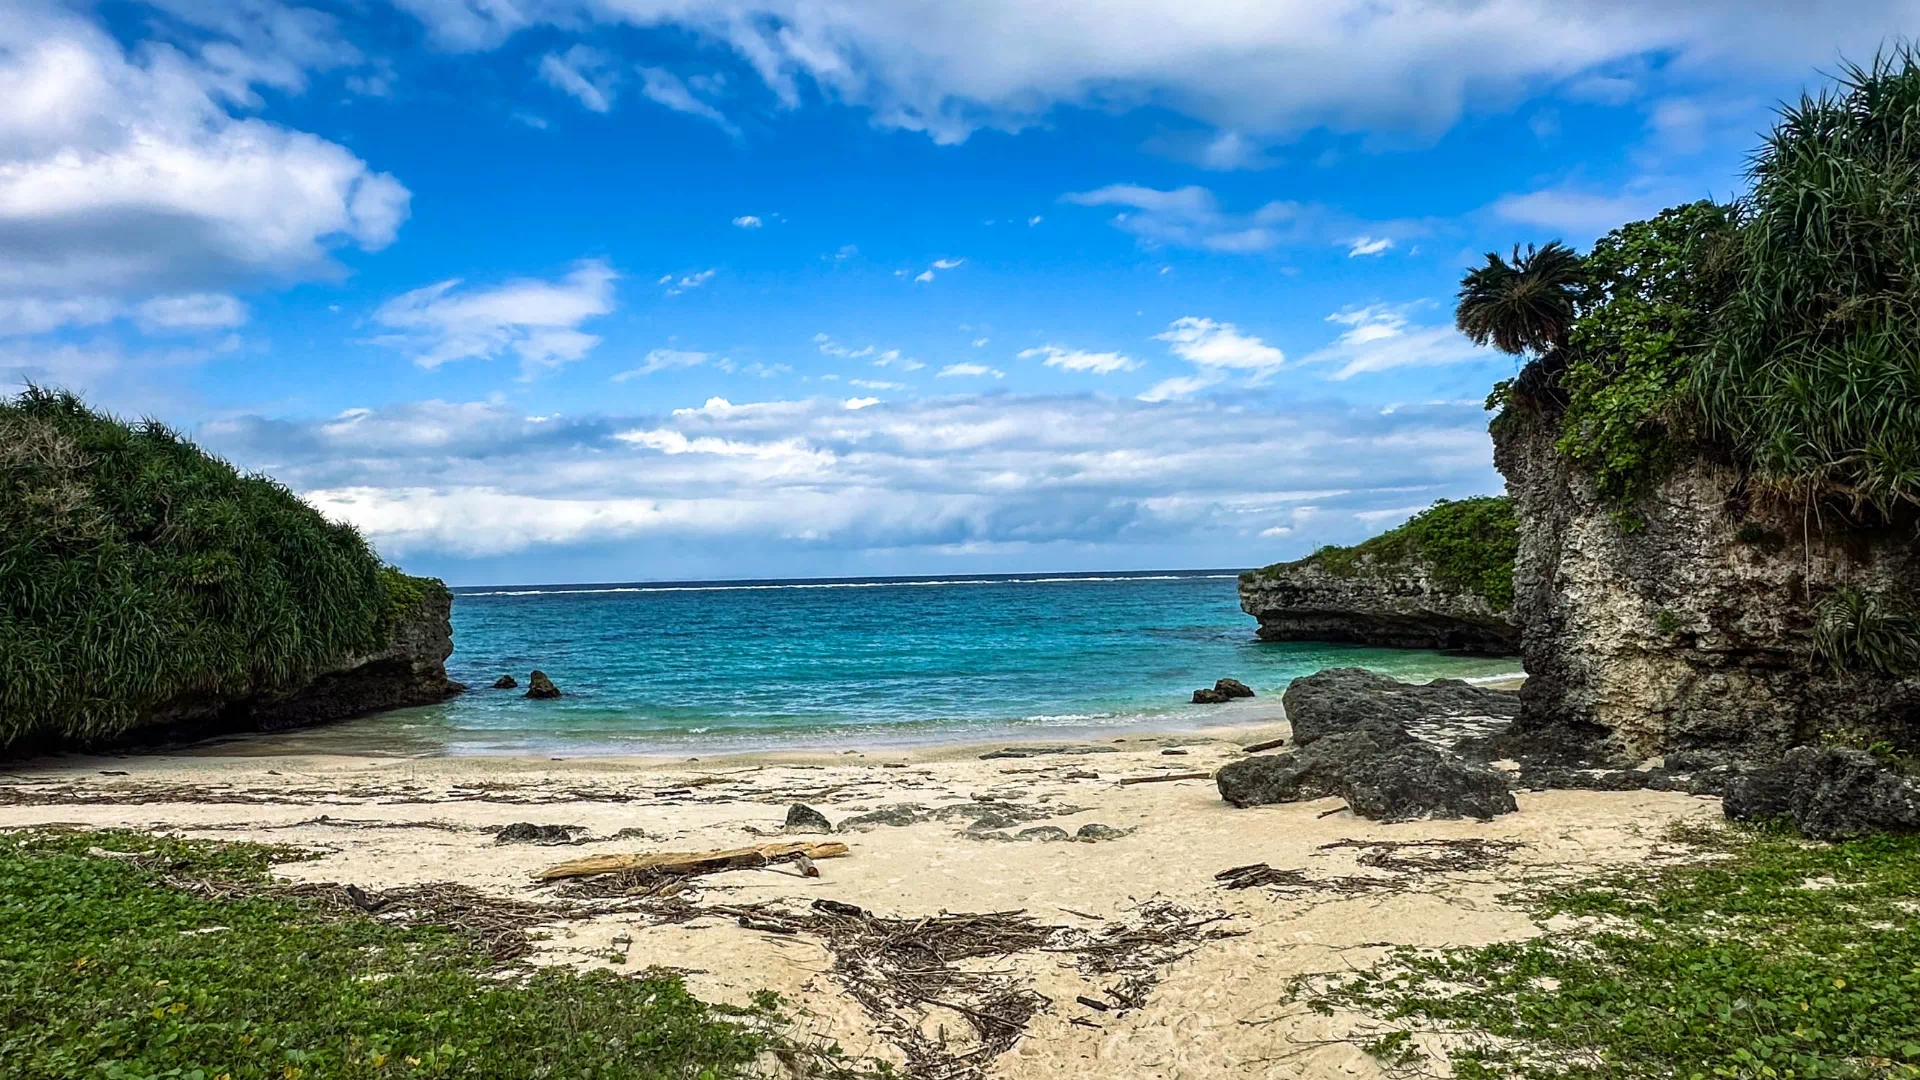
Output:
x=1524 y=305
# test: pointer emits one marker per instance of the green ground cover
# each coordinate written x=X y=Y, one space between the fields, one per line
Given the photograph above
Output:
x=1770 y=958
x=130 y=957
x=1468 y=544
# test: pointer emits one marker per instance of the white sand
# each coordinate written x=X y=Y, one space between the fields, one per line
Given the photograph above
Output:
x=1223 y=1011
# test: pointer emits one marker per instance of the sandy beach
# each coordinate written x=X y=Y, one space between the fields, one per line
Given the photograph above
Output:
x=1208 y=998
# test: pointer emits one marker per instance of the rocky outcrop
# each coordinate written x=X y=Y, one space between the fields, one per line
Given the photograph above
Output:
x=1222 y=691
x=1691 y=630
x=1394 y=604
x=1384 y=746
x=410 y=671
x=1829 y=794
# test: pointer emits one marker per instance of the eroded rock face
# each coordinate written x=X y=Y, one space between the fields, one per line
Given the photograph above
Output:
x=1692 y=632
x=411 y=670
x=1398 y=606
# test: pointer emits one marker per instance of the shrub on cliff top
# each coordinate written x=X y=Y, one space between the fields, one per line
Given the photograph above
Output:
x=1783 y=329
x=1468 y=545
x=136 y=570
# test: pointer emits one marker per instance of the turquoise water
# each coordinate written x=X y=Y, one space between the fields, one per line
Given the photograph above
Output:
x=762 y=665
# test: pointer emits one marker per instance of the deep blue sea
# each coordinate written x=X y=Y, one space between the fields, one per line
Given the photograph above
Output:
x=714 y=666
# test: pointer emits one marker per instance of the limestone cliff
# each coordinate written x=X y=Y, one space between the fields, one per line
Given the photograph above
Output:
x=1438 y=582
x=1692 y=629
x=410 y=671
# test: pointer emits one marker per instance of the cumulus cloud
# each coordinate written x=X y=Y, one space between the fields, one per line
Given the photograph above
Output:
x=1264 y=69
x=1577 y=213
x=538 y=320
x=127 y=173
x=1380 y=337
x=748 y=221
x=483 y=479
x=588 y=74
x=1099 y=363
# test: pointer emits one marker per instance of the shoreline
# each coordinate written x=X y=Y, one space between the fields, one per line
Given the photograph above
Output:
x=1264 y=718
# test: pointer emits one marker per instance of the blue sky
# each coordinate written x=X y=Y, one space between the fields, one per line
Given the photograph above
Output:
x=565 y=290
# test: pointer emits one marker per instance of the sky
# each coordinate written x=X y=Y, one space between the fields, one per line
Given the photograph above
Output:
x=611 y=290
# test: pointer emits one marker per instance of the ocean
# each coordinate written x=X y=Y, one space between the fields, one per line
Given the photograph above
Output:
x=692 y=667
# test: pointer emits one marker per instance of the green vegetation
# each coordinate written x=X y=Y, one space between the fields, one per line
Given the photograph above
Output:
x=1860 y=631
x=1774 y=960
x=1782 y=331
x=136 y=570
x=111 y=967
x=1467 y=545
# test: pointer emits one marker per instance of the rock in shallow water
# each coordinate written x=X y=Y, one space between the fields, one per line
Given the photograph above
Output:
x=1233 y=688
x=804 y=818
x=505 y=682
x=541 y=687
x=1208 y=696
x=1829 y=793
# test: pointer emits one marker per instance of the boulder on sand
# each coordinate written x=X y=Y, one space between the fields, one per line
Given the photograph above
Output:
x=505 y=682
x=804 y=818
x=1342 y=699
x=1382 y=772
x=1830 y=794
x=539 y=686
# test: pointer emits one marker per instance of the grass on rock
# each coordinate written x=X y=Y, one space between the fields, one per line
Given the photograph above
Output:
x=1469 y=545
x=136 y=570
x=109 y=970
x=1771 y=959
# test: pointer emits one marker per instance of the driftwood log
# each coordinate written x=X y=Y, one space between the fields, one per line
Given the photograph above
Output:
x=1164 y=778
x=695 y=862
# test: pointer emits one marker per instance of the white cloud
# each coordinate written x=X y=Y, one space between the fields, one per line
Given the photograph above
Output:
x=979 y=342
x=748 y=221
x=872 y=353
x=127 y=173
x=1192 y=217
x=1099 y=363
x=947 y=264
x=876 y=384
x=481 y=479
x=663 y=87
x=855 y=404
x=1265 y=69
x=1368 y=245
x=1380 y=337
x=686 y=281
x=589 y=74
x=1179 y=386
x=538 y=320
x=1219 y=346
x=1035 y=220
x=1583 y=214
x=923 y=276
x=662 y=360
x=191 y=313
x=952 y=371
